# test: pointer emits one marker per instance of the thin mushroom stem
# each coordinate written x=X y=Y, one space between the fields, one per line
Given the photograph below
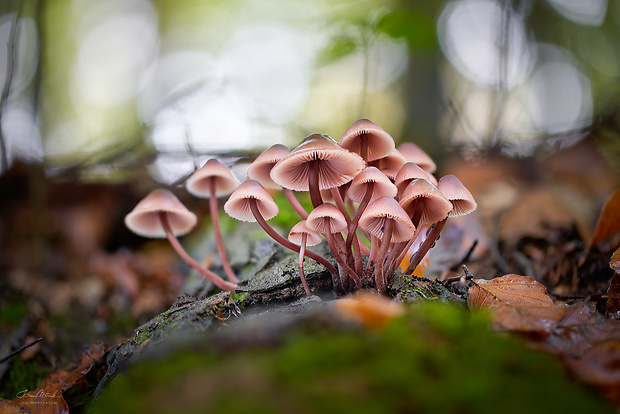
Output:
x=313 y=184
x=218 y=234
x=385 y=244
x=364 y=147
x=401 y=249
x=302 y=276
x=218 y=281
x=426 y=246
x=358 y=213
x=286 y=243
x=290 y=196
x=339 y=256
x=356 y=248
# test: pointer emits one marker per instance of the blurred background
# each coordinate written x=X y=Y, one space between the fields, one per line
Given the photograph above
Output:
x=101 y=100
x=110 y=84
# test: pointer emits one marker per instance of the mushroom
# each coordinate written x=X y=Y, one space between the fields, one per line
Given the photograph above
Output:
x=303 y=236
x=329 y=220
x=161 y=214
x=415 y=154
x=251 y=202
x=394 y=160
x=318 y=163
x=367 y=186
x=385 y=219
x=425 y=205
x=367 y=139
x=210 y=181
x=260 y=171
x=462 y=203
x=409 y=172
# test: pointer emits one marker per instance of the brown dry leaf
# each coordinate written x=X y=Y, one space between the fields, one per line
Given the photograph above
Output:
x=608 y=222
x=518 y=303
x=47 y=398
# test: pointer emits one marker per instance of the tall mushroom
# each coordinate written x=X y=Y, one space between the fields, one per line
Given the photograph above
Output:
x=303 y=236
x=318 y=163
x=210 y=181
x=251 y=202
x=161 y=214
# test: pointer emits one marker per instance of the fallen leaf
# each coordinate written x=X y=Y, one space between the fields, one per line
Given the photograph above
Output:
x=598 y=367
x=518 y=303
x=47 y=398
x=608 y=222
x=372 y=311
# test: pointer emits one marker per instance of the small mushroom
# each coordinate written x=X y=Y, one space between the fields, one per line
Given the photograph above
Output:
x=327 y=219
x=260 y=171
x=462 y=203
x=210 y=181
x=385 y=219
x=303 y=236
x=409 y=172
x=367 y=186
x=251 y=202
x=367 y=139
x=415 y=154
x=161 y=214
x=318 y=163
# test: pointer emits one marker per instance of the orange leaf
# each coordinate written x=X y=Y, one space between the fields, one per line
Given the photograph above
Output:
x=609 y=220
x=371 y=311
x=518 y=303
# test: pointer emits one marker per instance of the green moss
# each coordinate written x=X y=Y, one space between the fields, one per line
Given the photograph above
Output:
x=23 y=375
x=436 y=359
x=12 y=313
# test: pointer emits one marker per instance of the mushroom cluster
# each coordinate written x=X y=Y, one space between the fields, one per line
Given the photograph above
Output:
x=369 y=199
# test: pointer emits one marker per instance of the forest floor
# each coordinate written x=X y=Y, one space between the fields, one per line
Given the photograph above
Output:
x=532 y=323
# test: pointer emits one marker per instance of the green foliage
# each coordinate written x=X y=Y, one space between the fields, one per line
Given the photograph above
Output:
x=417 y=29
x=436 y=359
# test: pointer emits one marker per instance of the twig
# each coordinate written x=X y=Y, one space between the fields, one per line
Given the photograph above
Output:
x=466 y=257
x=20 y=349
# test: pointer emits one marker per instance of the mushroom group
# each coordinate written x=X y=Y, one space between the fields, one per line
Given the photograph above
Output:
x=371 y=201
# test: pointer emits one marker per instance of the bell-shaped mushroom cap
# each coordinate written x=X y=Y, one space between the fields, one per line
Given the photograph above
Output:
x=144 y=218
x=326 y=218
x=435 y=206
x=383 y=187
x=199 y=184
x=238 y=204
x=338 y=166
x=260 y=169
x=394 y=160
x=312 y=237
x=409 y=172
x=413 y=153
x=460 y=197
x=386 y=208
x=380 y=143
